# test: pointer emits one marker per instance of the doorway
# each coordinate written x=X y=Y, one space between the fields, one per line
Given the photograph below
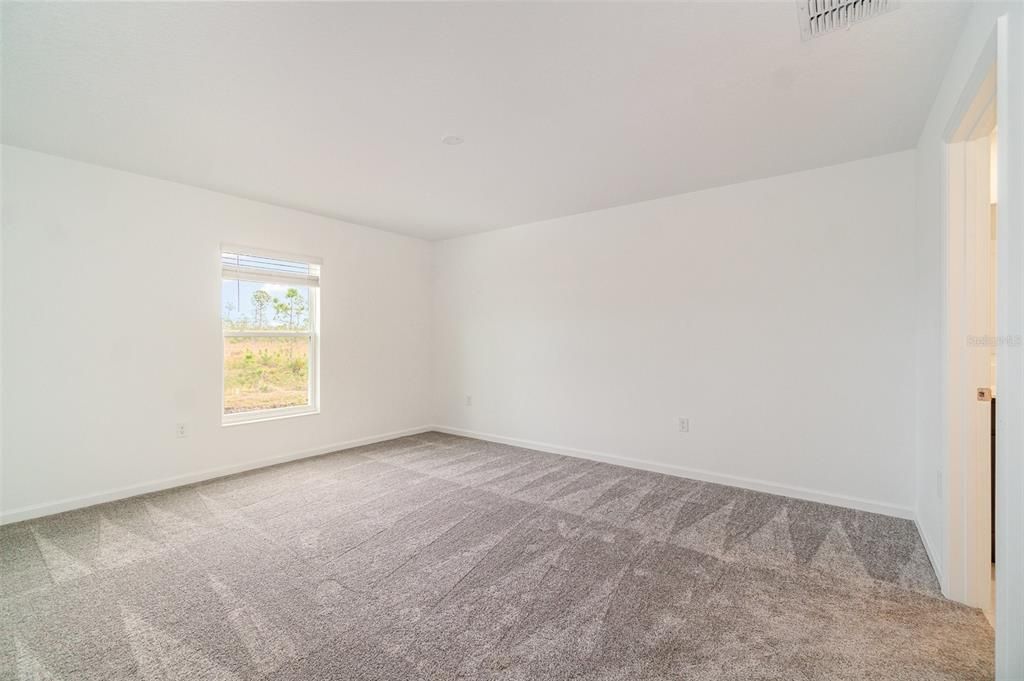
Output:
x=974 y=347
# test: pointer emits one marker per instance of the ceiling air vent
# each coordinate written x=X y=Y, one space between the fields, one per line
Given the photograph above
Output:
x=818 y=17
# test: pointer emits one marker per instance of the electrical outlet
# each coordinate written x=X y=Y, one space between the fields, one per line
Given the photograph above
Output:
x=469 y=400
x=684 y=425
x=181 y=430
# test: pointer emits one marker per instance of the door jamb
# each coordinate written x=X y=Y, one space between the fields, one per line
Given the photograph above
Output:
x=965 y=578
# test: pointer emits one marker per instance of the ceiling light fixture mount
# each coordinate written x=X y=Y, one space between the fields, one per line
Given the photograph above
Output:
x=452 y=140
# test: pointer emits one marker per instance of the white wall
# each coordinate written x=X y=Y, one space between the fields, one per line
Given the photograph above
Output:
x=775 y=315
x=88 y=412
x=1010 y=451
x=1 y=329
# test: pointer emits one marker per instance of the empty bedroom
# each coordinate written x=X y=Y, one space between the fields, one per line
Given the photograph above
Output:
x=532 y=341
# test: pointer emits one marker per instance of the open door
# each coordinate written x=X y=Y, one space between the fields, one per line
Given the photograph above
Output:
x=978 y=159
x=974 y=348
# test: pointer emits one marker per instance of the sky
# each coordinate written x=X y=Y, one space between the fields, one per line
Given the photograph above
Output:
x=236 y=299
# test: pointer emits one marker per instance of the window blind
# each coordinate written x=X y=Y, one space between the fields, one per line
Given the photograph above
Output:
x=250 y=266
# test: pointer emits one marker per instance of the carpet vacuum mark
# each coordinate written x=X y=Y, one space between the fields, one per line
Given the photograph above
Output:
x=441 y=557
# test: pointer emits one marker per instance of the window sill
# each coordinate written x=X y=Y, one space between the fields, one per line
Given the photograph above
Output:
x=269 y=415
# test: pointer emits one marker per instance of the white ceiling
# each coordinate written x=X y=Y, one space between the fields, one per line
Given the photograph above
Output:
x=339 y=109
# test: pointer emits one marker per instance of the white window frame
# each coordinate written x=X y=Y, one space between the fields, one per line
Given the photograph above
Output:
x=312 y=336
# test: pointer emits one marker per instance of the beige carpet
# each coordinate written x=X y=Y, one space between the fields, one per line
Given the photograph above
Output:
x=437 y=557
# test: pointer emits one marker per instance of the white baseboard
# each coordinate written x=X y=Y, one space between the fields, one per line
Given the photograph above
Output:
x=933 y=557
x=696 y=474
x=40 y=510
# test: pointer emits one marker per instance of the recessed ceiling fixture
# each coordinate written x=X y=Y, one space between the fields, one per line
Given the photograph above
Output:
x=818 y=17
x=452 y=140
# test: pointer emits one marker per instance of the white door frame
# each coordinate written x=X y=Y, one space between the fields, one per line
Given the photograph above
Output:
x=1010 y=369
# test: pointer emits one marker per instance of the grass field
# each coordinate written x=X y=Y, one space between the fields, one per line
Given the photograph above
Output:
x=265 y=373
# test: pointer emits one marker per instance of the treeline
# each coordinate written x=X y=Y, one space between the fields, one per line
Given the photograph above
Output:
x=290 y=312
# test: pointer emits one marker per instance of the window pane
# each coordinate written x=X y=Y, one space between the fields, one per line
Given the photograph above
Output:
x=267 y=307
x=265 y=373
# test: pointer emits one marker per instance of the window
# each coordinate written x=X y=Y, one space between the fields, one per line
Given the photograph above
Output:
x=271 y=326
